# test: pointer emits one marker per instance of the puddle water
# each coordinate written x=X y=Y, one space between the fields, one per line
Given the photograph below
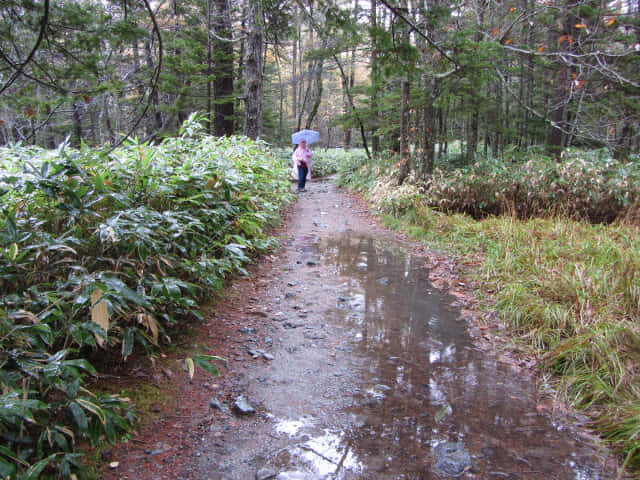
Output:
x=419 y=383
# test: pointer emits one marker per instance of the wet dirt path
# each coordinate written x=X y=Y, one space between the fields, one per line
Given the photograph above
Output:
x=358 y=368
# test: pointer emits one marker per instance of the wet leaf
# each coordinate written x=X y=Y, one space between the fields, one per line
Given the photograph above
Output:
x=13 y=251
x=191 y=368
x=93 y=408
x=99 y=314
x=33 y=473
x=151 y=324
x=79 y=416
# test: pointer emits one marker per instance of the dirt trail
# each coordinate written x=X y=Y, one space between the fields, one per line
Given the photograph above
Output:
x=358 y=368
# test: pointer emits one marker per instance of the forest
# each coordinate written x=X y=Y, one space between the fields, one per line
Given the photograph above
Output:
x=498 y=78
x=144 y=159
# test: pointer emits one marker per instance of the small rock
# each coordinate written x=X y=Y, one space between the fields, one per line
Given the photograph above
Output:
x=242 y=406
x=312 y=263
x=268 y=341
x=452 y=459
x=216 y=403
x=383 y=281
x=248 y=330
x=314 y=336
x=289 y=295
x=292 y=284
x=114 y=465
x=268 y=356
x=266 y=473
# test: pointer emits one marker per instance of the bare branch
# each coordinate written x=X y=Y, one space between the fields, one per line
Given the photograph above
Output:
x=413 y=27
x=43 y=25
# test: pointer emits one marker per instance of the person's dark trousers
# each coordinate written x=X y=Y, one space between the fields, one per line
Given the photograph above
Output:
x=302 y=177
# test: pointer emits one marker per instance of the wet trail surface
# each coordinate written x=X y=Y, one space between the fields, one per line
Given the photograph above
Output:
x=359 y=368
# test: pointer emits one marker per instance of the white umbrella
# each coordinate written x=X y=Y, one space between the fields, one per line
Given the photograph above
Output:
x=310 y=136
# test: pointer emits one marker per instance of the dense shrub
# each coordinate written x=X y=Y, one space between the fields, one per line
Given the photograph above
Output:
x=594 y=189
x=586 y=186
x=101 y=252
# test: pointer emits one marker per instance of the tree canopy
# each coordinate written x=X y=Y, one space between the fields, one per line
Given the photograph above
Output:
x=409 y=76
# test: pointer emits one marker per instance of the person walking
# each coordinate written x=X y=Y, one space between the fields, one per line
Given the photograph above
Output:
x=302 y=164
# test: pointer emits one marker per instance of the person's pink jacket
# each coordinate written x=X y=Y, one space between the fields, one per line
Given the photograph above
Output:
x=300 y=155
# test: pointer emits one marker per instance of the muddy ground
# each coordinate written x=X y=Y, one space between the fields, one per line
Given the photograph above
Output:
x=363 y=358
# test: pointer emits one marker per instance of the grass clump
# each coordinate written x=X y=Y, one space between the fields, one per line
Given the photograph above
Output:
x=569 y=291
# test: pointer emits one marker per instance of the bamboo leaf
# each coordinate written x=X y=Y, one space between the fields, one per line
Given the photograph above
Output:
x=206 y=363
x=36 y=469
x=151 y=324
x=191 y=368
x=13 y=251
x=79 y=416
x=99 y=314
x=93 y=408
x=128 y=341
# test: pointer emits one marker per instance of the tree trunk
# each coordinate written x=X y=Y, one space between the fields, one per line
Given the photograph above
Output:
x=345 y=86
x=562 y=92
x=223 y=71
x=316 y=87
x=375 y=78
x=352 y=67
x=294 y=68
x=253 y=71
x=156 y=117
x=77 y=125
x=209 y=70
x=405 y=156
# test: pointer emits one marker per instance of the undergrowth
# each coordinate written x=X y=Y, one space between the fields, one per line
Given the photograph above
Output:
x=325 y=161
x=569 y=291
x=101 y=253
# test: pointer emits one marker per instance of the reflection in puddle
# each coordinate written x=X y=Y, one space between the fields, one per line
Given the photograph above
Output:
x=425 y=384
x=324 y=454
x=293 y=427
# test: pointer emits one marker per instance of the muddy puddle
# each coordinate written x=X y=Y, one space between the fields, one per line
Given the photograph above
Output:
x=377 y=377
x=426 y=403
